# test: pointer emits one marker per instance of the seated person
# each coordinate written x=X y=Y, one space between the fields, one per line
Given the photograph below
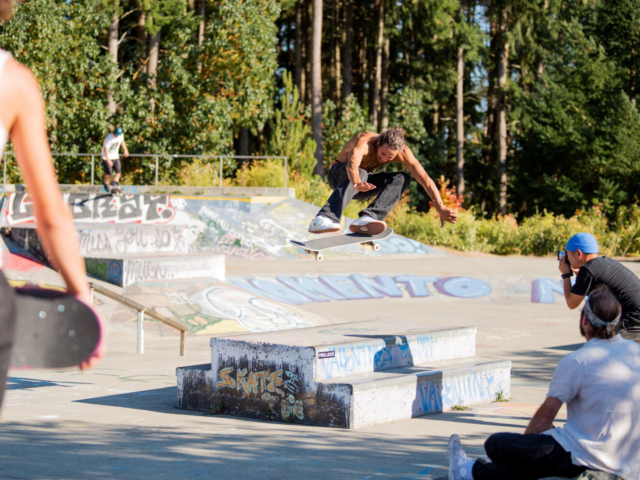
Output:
x=600 y=383
x=593 y=271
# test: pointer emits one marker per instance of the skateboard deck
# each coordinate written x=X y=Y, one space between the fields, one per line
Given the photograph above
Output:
x=53 y=329
x=317 y=245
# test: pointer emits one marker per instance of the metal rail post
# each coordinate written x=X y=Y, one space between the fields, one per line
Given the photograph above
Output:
x=220 y=172
x=285 y=172
x=92 y=168
x=4 y=167
x=140 y=332
x=156 y=171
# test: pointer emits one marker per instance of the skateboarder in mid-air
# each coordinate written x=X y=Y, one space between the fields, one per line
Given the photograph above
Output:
x=352 y=176
x=111 y=159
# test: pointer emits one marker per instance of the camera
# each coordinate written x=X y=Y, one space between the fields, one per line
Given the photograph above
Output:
x=561 y=255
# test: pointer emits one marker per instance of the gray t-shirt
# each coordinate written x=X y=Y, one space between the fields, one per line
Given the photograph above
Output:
x=600 y=383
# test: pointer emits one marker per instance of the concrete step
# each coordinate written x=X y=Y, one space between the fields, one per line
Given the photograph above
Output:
x=105 y=239
x=349 y=375
x=342 y=350
x=126 y=269
x=280 y=392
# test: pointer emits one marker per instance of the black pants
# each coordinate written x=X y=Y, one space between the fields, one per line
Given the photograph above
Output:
x=389 y=189
x=524 y=457
x=7 y=329
x=116 y=166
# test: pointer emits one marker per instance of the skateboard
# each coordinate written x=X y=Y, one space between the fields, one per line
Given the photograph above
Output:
x=116 y=190
x=314 y=247
x=53 y=329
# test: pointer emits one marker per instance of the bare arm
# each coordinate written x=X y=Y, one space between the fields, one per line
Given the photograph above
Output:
x=544 y=417
x=54 y=222
x=414 y=167
x=573 y=300
x=126 y=150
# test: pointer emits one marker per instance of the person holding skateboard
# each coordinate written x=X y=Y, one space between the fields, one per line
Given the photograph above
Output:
x=111 y=159
x=353 y=175
x=22 y=115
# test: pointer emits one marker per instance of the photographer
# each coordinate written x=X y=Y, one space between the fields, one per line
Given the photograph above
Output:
x=594 y=271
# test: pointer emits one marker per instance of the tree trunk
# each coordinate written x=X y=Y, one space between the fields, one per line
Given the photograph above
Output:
x=348 y=49
x=375 y=101
x=243 y=143
x=309 y=46
x=460 y=124
x=503 y=59
x=540 y=63
x=435 y=118
x=113 y=53
x=203 y=5
x=317 y=85
x=152 y=66
x=338 y=40
x=332 y=52
x=299 y=49
x=384 y=91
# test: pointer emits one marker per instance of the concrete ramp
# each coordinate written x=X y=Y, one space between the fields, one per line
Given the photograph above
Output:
x=350 y=375
x=252 y=228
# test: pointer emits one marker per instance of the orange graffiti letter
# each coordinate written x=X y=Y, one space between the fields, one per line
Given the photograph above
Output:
x=241 y=380
x=227 y=381
x=276 y=380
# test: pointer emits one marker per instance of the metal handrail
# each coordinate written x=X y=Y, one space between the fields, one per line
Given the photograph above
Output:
x=157 y=157
x=141 y=309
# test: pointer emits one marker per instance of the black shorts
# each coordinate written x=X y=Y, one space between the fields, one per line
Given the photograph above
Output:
x=108 y=169
x=7 y=329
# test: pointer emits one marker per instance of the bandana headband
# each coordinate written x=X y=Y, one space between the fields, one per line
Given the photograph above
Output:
x=595 y=321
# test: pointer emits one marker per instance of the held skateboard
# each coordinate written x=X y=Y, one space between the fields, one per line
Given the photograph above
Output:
x=53 y=329
x=314 y=247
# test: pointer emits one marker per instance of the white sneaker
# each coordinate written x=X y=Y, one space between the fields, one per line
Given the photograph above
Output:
x=322 y=224
x=460 y=466
x=368 y=226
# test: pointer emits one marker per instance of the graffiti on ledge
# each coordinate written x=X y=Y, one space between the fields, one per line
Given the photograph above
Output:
x=102 y=208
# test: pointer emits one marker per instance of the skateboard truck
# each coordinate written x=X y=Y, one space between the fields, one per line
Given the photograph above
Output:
x=318 y=256
x=374 y=245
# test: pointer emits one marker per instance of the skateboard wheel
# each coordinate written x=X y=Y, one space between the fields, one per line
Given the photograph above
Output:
x=319 y=257
x=376 y=247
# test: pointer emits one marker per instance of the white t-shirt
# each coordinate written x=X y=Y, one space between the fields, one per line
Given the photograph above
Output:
x=600 y=383
x=112 y=144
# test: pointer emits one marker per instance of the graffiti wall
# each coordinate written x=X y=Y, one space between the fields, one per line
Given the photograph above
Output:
x=95 y=208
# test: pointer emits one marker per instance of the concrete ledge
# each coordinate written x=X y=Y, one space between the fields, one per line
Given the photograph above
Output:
x=271 y=390
x=124 y=270
x=349 y=375
x=173 y=190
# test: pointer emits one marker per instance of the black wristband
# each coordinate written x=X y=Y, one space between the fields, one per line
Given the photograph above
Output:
x=567 y=275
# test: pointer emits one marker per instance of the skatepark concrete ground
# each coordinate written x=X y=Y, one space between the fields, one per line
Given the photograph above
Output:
x=120 y=421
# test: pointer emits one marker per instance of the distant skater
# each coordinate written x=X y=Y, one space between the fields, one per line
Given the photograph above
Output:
x=353 y=175
x=111 y=159
x=22 y=116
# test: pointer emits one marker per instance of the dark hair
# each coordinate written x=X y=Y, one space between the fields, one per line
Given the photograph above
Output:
x=394 y=137
x=6 y=10
x=606 y=307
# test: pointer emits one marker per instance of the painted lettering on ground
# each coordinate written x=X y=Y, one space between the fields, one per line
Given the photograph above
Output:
x=101 y=208
x=269 y=386
x=305 y=289
x=544 y=290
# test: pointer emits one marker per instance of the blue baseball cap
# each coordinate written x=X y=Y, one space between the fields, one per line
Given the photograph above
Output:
x=585 y=242
x=118 y=131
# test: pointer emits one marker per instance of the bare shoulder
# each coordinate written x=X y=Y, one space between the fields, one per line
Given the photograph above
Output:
x=18 y=79
x=406 y=155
